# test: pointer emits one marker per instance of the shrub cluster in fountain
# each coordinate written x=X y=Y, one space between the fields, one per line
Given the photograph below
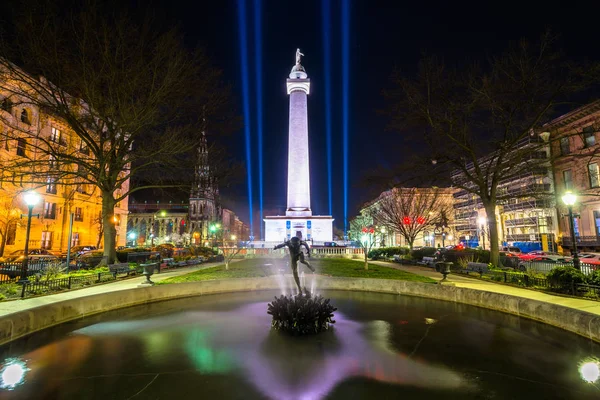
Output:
x=302 y=314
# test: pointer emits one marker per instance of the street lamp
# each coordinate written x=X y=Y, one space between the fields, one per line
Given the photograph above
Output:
x=569 y=198
x=482 y=222
x=132 y=238
x=31 y=198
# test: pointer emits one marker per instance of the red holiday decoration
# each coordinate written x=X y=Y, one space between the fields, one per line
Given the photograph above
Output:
x=420 y=220
x=406 y=220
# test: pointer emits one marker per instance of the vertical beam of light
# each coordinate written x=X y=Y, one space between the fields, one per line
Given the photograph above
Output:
x=345 y=99
x=326 y=25
x=259 y=104
x=246 y=103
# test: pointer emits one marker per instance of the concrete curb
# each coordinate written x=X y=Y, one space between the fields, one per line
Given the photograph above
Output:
x=19 y=324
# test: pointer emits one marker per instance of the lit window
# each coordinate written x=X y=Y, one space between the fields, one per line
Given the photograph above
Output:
x=50 y=185
x=594 y=175
x=50 y=210
x=565 y=147
x=78 y=214
x=568 y=179
x=46 y=240
x=589 y=136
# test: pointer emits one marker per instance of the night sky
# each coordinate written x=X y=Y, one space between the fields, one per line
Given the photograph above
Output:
x=384 y=35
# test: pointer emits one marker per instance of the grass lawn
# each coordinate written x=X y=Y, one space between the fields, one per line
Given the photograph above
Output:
x=260 y=267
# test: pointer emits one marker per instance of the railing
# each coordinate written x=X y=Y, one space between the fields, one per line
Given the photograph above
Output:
x=531 y=188
x=527 y=205
x=465 y=215
x=521 y=221
x=591 y=292
x=464 y=228
x=477 y=203
x=337 y=251
x=584 y=241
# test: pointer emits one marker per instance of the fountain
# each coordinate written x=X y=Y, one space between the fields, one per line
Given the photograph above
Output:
x=382 y=346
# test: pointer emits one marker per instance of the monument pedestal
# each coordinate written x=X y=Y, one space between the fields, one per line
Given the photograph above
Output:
x=316 y=227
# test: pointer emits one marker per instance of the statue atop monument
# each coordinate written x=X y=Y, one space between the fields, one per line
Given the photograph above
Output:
x=298 y=55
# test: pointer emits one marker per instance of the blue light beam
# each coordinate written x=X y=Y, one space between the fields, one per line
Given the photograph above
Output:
x=259 y=103
x=345 y=99
x=326 y=26
x=246 y=103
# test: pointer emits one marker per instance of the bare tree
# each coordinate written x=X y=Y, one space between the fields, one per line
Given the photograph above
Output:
x=9 y=217
x=131 y=97
x=412 y=211
x=365 y=233
x=230 y=249
x=479 y=123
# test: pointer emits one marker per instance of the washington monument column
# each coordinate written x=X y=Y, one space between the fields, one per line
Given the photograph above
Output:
x=298 y=220
x=298 y=190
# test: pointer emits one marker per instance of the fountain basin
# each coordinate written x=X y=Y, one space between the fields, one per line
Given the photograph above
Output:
x=221 y=346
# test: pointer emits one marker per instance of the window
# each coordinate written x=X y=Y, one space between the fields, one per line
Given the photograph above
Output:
x=594 y=175
x=83 y=148
x=56 y=136
x=78 y=214
x=52 y=163
x=50 y=210
x=589 y=136
x=46 y=240
x=21 y=147
x=11 y=233
x=597 y=222
x=50 y=185
x=25 y=117
x=568 y=179
x=6 y=105
x=75 y=239
x=565 y=147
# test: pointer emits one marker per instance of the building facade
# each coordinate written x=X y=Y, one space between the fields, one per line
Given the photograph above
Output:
x=576 y=162
x=525 y=214
x=58 y=199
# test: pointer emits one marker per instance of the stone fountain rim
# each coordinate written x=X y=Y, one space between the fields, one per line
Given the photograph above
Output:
x=17 y=325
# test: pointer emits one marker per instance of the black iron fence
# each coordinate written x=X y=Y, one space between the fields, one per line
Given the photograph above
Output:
x=10 y=271
x=582 y=241
x=537 y=282
x=41 y=286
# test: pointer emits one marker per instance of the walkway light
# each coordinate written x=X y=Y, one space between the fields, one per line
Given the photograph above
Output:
x=31 y=198
x=569 y=198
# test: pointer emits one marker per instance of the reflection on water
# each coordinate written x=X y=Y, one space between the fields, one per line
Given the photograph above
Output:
x=381 y=346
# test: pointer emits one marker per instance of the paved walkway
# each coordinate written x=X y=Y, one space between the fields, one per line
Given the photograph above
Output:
x=9 y=307
x=488 y=286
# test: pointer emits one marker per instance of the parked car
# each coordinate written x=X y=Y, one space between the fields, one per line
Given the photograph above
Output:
x=34 y=254
x=544 y=263
x=511 y=249
x=166 y=250
x=537 y=253
x=89 y=259
x=453 y=254
x=77 y=250
x=590 y=258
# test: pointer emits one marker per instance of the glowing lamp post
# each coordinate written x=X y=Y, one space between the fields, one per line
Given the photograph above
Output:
x=132 y=236
x=31 y=198
x=482 y=221
x=569 y=199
